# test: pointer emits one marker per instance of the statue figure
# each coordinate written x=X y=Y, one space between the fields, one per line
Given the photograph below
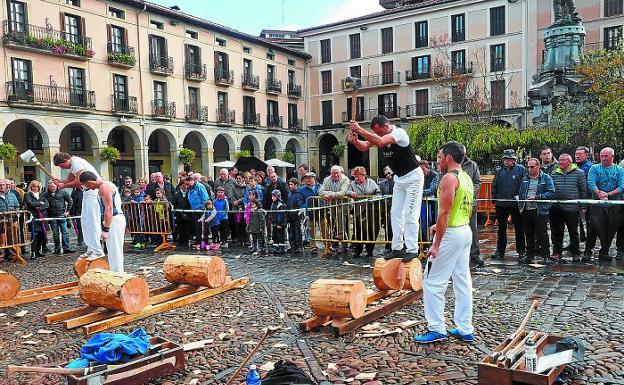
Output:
x=565 y=11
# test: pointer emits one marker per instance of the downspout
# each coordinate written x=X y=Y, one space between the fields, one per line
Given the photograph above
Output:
x=142 y=121
x=306 y=106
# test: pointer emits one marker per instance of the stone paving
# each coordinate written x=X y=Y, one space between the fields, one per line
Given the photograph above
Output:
x=580 y=300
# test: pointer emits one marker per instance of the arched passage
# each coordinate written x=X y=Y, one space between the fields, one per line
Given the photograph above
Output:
x=357 y=158
x=126 y=141
x=223 y=146
x=79 y=139
x=250 y=144
x=160 y=146
x=326 y=158
x=193 y=141
x=26 y=134
x=271 y=148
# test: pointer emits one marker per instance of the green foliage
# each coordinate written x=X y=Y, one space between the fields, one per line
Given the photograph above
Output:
x=609 y=127
x=243 y=154
x=289 y=157
x=109 y=154
x=603 y=70
x=122 y=58
x=58 y=46
x=186 y=156
x=338 y=150
x=8 y=151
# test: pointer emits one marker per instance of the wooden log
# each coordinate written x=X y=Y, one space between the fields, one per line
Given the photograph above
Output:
x=389 y=274
x=195 y=270
x=112 y=290
x=83 y=264
x=338 y=298
x=9 y=286
x=413 y=278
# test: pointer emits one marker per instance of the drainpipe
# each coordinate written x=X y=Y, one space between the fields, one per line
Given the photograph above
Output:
x=142 y=121
x=306 y=106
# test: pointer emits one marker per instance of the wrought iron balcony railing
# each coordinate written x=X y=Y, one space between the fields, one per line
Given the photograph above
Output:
x=251 y=120
x=441 y=71
x=121 y=55
x=295 y=125
x=124 y=104
x=250 y=81
x=195 y=71
x=223 y=77
x=163 y=110
x=225 y=117
x=47 y=40
x=273 y=86
x=51 y=95
x=377 y=80
x=161 y=65
x=294 y=90
x=411 y=75
x=196 y=113
x=274 y=121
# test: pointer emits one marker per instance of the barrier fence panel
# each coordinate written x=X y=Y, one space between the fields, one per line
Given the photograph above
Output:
x=14 y=233
x=149 y=218
x=485 y=204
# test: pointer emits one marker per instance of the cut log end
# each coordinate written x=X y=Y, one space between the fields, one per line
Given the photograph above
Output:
x=112 y=290
x=83 y=264
x=389 y=274
x=195 y=270
x=413 y=278
x=9 y=286
x=338 y=298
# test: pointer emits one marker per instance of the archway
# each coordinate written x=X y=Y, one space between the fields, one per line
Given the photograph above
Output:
x=270 y=148
x=79 y=139
x=160 y=146
x=193 y=141
x=357 y=158
x=326 y=158
x=222 y=148
x=293 y=147
x=25 y=135
x=123 y=139
x=249 y=143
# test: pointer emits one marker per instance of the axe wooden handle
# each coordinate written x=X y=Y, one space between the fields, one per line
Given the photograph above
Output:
x=45 y=170
x=354 y=94
x=44 y=369
x=513 y=338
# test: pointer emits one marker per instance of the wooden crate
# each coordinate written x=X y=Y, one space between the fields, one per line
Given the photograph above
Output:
x=166 y=358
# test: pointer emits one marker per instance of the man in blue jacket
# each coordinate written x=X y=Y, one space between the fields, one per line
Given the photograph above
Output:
x=506 y=186
x=197 y=196
x=536 y=185
x=309 y=189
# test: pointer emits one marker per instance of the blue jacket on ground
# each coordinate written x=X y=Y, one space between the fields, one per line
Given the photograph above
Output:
x=605 y=179
x=110 y=348
x=506 y=184
x=198 y=196
x=222 y=206
x=545 y=191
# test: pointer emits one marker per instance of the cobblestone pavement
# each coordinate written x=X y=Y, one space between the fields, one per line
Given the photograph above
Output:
x=580 y=300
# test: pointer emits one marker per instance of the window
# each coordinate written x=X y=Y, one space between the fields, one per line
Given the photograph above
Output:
x=22 y=79
x=246 y=50
x=17 y=16
x=120 y=89
x=422 y=102
x=191 y=34
x=76 y=141
x=325 y=51
x=220 y=42
x=613 y=38
x=270 y=56
x=156 y=24
x=422 y=34
x=160 y=94
x=249 y=111
x=421 y=67
x=73 y=28
x=247 y=69
x=497 y=21
x=117 y=140
x=498 y=94
x=33 y=138
x=193 y=55
x=193 y=95
x=118 y=13
x=270 y=73
x=387 y=70
x=293 y=117
x=75 y=3
x=326 y=82
x=76 y=86
x=497 y=57
x=222 y=101
x=355 y=46
x=387 y=105
x=458 y=61
x=272 y=111
x=157 y=48
x=359 y=108
x=291 y=62
x=458 y=95
x=355 y=72
x=458 y=27
x=291 y=77
x=613 y=7
x=327 y=113
x=387 y=44
x=116 y=39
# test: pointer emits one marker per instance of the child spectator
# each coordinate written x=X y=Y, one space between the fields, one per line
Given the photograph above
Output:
x=296 y=201
x=206 y=219
x=126 y=195
x=222 y=206
x=256 y=226
x=278 y=222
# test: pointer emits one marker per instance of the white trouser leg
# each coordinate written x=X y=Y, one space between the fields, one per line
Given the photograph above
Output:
x=91 y=221
x=413 y=202
x=114 y=243
x=452 y=261
x=396 y=215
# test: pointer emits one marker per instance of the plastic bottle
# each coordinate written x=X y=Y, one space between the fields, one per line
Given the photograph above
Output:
x=253 y=377
x=530 y=356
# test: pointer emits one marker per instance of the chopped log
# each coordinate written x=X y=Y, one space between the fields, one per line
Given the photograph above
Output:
x=389 y=274
x=83 y=264
x=413 y=278
x=112 y=290
x=195 y=270
x=338 y=298
x=9 y=286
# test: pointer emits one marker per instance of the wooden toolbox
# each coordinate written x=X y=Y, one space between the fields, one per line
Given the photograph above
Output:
x=164 y=358
x=490 y=374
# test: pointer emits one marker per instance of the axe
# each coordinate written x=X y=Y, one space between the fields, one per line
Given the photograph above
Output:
x=62 y=371
x=354 y=84
x=29 y=156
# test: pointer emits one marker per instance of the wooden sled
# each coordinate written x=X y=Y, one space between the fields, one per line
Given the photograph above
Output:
x=93 y=319
x=41 y=293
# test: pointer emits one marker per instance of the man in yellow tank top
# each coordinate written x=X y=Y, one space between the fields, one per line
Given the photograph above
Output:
x=449 y=255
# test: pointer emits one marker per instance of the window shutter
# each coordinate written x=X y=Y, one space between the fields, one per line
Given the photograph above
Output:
x=109 y=33
x=125 y=38
x=199 y=57
x=150 y=39
x=83 y=27
x=165 y=52
x=187 y=54
x=226 y=64
x=63 y=21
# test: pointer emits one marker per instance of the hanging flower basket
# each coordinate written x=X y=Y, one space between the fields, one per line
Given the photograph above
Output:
x=110 y=154
x=7 y=151
x=187 y=156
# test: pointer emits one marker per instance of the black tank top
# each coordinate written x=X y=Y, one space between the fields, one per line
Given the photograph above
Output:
x=402 y=160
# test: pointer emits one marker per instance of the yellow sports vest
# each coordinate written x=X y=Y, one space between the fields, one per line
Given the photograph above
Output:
x=461 y=210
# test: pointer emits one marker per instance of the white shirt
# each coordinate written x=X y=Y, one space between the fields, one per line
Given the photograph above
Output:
x=400 y=136
x=78 y=164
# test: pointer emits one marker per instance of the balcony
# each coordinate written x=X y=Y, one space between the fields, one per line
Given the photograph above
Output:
x=379 y=80
x=195 y=113
x=273 y=86
x=161 y=109
x=368 y=115
x=251 y=120
x=225 y=117
x=275 y=122
x=161 y=65
x=294 y=91
x=250 y=82
x=359 y=115
x=415 y=110
x=457 y=36
x=120 y=55
x=415 y=75
x=224 y=78
x=448 y=107
x=47 y=41
x=440 y=71
x=296 y=125
x=26 y=93
x=195 y=71
x=124 y=105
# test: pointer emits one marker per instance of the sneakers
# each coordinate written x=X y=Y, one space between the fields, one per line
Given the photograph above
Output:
x=395 y=254
x=464 y=337
x=429 y=337
x=408 y=257
x=477 y=261
x=224 y=245
x=94 y=255
x=68 y=251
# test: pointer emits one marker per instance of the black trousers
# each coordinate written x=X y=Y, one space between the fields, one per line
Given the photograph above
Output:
x=605 y=221
x=559 y=220
x=366 y=224
x=185 y=229
x=294 y=231
x=475 y=251
x=619 y=240
x=592 y=236
x=536 y=233
x=502 y=213
x=220 y=232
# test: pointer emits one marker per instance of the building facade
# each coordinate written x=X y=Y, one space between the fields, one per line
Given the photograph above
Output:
x=149 y=80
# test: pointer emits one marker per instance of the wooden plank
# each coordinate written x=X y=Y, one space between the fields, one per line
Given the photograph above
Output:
x=312 y=323
x=150 y=310
x=376 y=313
x=377 y=295
x=67 y=314
x=20 y=299
x=179 y=291
x=48 y=288
x=99 y=315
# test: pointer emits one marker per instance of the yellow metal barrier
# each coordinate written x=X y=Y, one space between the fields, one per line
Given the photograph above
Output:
x=149 y=218
x=14 y=232
x=485 y=204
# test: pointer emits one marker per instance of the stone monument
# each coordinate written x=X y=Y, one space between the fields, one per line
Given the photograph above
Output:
x=564 y=41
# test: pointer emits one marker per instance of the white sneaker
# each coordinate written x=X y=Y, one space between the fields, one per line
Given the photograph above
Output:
x=86 y=254
x=95 y=255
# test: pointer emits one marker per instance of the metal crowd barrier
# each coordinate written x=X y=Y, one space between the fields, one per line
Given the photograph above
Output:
x=149 y=218
x=485 y=204
x=14 y=232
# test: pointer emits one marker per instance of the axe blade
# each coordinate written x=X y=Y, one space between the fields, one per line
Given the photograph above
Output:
x=28 y=156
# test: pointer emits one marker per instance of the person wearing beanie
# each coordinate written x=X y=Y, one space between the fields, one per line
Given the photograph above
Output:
x=278 y=222
x=296 y=201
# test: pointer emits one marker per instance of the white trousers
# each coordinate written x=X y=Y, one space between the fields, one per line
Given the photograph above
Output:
x=405 y=210
x=115 y=242
x=453 y=261
x=91 y=219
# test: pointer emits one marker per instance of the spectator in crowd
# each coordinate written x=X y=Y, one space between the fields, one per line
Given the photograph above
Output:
x=59 y=203
x=252 y=185
x=472 y=169
x=429 y=174
x=278 y=222
x=127 y=183
x=387 y=188
x=253 y=172
x=233 y=172
x=142 y=185
x=260 y=178
x=536 y=185
x=275 y=184
x=295 y=202
x=606 y=182
x=76 y=211
x=197 y=196
x=303 y=170
x=126 y=195
x=183 y=220
x=506 y=186
x=309 y=189
x=387 y=184
x=256 y=227
x=227 y=183
x=18 y=192
x=333 y=188
x=160 y=182
x=366 y=218
x=581 y=157
x=207 y=221
x=222 y=205
x=239 y=190
x=548 y=162
x=429 y=208
x=9 y=227
x=36 y=203
x=570 y=184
